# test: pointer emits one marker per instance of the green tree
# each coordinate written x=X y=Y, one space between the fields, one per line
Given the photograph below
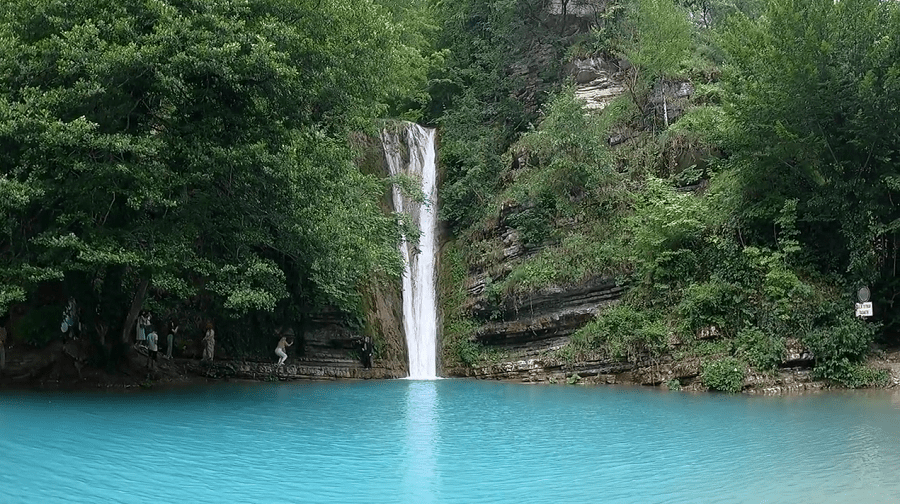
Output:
x=661 y=38
x=813 y=91
x=656 y=41
x=193 y=148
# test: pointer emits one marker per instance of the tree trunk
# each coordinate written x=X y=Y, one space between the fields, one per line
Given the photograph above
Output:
x=136 y=303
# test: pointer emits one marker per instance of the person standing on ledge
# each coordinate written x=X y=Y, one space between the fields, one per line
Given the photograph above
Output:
x=152 y=347
x=143 y=321
x=209 y=342
x=2 y=344
x=367 y=349
x=170 y=338
x=280 y=349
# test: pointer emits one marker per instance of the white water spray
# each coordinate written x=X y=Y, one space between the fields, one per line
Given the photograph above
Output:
x=419 y=306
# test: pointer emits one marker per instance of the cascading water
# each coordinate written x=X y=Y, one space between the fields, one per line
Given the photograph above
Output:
x=409 y=149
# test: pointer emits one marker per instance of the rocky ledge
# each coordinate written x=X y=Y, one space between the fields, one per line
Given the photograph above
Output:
x=299 y=370
x=792 y=376
x=538 y=321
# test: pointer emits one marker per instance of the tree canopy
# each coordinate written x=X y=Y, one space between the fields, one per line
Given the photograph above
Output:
x=200 y=147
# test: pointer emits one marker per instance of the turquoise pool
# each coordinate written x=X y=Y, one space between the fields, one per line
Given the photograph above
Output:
x=446 y=441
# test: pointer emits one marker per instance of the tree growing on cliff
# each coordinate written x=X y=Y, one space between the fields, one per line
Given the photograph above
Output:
x=657 y=39
x=192 y=147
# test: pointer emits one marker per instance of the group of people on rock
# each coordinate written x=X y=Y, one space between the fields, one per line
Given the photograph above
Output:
x=146 y=337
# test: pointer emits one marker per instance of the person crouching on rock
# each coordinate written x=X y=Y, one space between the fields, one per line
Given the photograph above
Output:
x=280 y=349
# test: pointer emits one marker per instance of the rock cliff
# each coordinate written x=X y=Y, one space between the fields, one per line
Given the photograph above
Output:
x=526 y=334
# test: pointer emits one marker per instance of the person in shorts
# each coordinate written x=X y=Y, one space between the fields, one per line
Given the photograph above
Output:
x=280 y=350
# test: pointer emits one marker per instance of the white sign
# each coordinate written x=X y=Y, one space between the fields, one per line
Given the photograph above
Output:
x=864 y=309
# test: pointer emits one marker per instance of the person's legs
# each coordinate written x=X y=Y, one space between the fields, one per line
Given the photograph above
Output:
x=282 y=356
x=170 y=339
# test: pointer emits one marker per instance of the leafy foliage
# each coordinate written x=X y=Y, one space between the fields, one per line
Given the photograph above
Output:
x=793 y=175
x=808 y=81
x=622 y=333
x=661 y=38
x=761 y=350
x=839 y=349
x=726 y=375
x=199 y=147
x=457 y=348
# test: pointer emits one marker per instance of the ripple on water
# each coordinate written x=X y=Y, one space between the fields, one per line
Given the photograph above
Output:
x=445 y=441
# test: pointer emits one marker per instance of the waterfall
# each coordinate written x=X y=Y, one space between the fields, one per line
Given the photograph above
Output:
x=409 y=149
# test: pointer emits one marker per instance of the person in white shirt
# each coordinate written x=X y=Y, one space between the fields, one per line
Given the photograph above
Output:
x=152 y=347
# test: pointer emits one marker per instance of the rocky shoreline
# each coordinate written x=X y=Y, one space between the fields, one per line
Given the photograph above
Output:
x=60 y=367
x=65 y=366
x=664 y=372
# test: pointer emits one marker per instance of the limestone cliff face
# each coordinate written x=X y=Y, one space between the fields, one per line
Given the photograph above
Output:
x=532 y=323
x=527 y=328
x=598 y=80
x=526 y=331
x=329 y=347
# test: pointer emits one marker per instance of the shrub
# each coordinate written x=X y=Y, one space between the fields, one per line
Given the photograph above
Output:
x=761 y=350
x=458 y=326
x=579 y=255
x=726 y=375
x=468 y=352
x=839 y=350
x=534 y=224
x=855 y=375
x=625 y=333
x=714 y=303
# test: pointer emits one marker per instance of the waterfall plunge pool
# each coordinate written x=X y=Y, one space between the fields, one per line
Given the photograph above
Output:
x=446 y=441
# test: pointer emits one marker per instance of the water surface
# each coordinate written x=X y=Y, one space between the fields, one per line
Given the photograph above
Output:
x=446 y=441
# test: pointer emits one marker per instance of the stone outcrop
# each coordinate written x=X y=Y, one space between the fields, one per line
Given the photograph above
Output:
x=301 y=369
x=540 y=320
x=598 y=80
x=792 y=377
x=527 y=333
